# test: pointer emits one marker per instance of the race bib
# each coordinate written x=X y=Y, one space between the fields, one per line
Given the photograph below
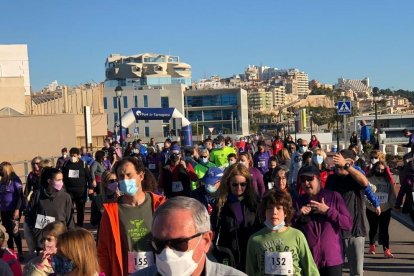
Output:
x=177 y=186
x=151 y=166
x=139 y=260
x=261 y=164
x=270 y=185
x=279 y=263
x=42 y=221
x=382 y=197
x=73 y=174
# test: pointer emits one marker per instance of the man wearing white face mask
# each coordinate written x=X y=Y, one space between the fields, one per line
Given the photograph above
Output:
x=181 y=239
x=296 y=162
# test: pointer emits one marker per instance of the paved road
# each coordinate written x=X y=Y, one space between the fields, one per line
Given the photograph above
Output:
x=401 y=245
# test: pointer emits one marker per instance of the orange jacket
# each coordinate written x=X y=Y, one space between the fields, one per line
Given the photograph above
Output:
x=109 y=242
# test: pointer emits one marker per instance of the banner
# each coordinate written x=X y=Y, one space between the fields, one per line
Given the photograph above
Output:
x=152 y=113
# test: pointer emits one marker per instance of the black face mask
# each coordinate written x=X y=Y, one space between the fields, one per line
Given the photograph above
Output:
x=174 y=158
x=377 y=173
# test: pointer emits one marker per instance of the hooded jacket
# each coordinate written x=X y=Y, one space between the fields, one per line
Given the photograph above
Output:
x=45 y=203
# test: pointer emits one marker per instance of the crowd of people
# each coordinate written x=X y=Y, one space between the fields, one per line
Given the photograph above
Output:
x=222 y=207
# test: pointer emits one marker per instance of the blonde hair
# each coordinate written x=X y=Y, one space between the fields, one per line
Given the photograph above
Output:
x=79 y=246
x=8 y=172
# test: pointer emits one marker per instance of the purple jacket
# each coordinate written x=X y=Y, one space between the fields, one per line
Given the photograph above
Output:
x=261 y=161
x=11 y=195
x=323 y=231
x=258 y=183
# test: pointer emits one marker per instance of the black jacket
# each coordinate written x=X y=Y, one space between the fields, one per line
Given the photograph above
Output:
x=77 y=178
x=57 y=205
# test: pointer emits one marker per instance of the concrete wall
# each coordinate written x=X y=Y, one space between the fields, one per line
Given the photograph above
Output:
x=24 y=137
x=12 y=93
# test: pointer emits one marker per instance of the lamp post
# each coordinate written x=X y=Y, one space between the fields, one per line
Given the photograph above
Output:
x=310 y=121
x=118 y=93
x=376 y=98
x=294 y=123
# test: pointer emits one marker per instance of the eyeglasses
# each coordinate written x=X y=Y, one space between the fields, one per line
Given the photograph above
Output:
x=304 y=178
x=243 y=184
x=180 y=244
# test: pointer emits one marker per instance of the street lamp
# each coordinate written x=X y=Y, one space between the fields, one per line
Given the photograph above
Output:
x=294 y=124
x=118 y=93
x=376 y=99
x=310 y=121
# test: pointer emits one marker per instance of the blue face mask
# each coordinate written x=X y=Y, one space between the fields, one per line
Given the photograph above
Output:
x=62 y=265
x=128 y=186
x=274 y=227
x=318 y=159
x=219 y=146
x=302 y=149
x=204 y=160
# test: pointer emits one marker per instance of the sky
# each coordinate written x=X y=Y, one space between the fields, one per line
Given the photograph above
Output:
x=69 y=41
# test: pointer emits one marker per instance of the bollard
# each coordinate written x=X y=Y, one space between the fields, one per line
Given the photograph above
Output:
x=382 y=148
x=394 y=149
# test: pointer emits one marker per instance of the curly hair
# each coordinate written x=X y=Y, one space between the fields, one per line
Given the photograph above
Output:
x=276 y=197
x=224 y=189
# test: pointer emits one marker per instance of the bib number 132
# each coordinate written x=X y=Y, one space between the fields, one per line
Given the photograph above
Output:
x=279 y=263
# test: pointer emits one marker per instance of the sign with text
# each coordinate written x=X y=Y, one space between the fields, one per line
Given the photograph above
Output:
x=152 y=113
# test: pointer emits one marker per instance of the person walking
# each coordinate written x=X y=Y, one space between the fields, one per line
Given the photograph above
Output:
x=384 y=191
x=11 y=203
x=77 y=179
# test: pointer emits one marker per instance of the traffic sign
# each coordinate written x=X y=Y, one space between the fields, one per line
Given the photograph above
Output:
x=211 y=129
x=344 y=108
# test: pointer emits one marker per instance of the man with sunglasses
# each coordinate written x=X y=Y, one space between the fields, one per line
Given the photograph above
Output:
x=181 y=238
x=352 y=184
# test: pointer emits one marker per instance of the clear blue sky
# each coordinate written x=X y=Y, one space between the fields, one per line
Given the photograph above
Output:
x=69 y=40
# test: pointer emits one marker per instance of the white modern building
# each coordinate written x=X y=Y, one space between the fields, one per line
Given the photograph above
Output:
x=147 y=80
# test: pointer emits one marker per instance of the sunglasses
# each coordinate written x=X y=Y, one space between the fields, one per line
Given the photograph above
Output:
x=304 y=178
x=203 y=156
x=113 y=181
x=180 y=244
x=243 y=184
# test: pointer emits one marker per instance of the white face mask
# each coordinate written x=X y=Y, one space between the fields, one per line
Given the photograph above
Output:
x=204 y=159
x=374 y=160
x=74 y=159
x=211 y=188
x=274 y=227
x=172 y=262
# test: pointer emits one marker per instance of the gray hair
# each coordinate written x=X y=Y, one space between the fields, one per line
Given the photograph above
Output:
x=199 y=213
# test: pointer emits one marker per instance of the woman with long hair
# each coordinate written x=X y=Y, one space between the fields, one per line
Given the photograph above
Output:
x=235 y=218
x=257 y=177
x=76 y=254
x=11 y=201
x=33 y=179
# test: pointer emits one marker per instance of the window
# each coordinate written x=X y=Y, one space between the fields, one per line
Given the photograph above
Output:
x=115 y=117
x=165 y=102
x=145 y=101
x=105 y=103
x=136 y=101
x=147 y=132
x=115 y=101
x=125 y=101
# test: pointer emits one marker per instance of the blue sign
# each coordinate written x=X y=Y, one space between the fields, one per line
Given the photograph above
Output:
x=344 y=108
x=152 y=113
